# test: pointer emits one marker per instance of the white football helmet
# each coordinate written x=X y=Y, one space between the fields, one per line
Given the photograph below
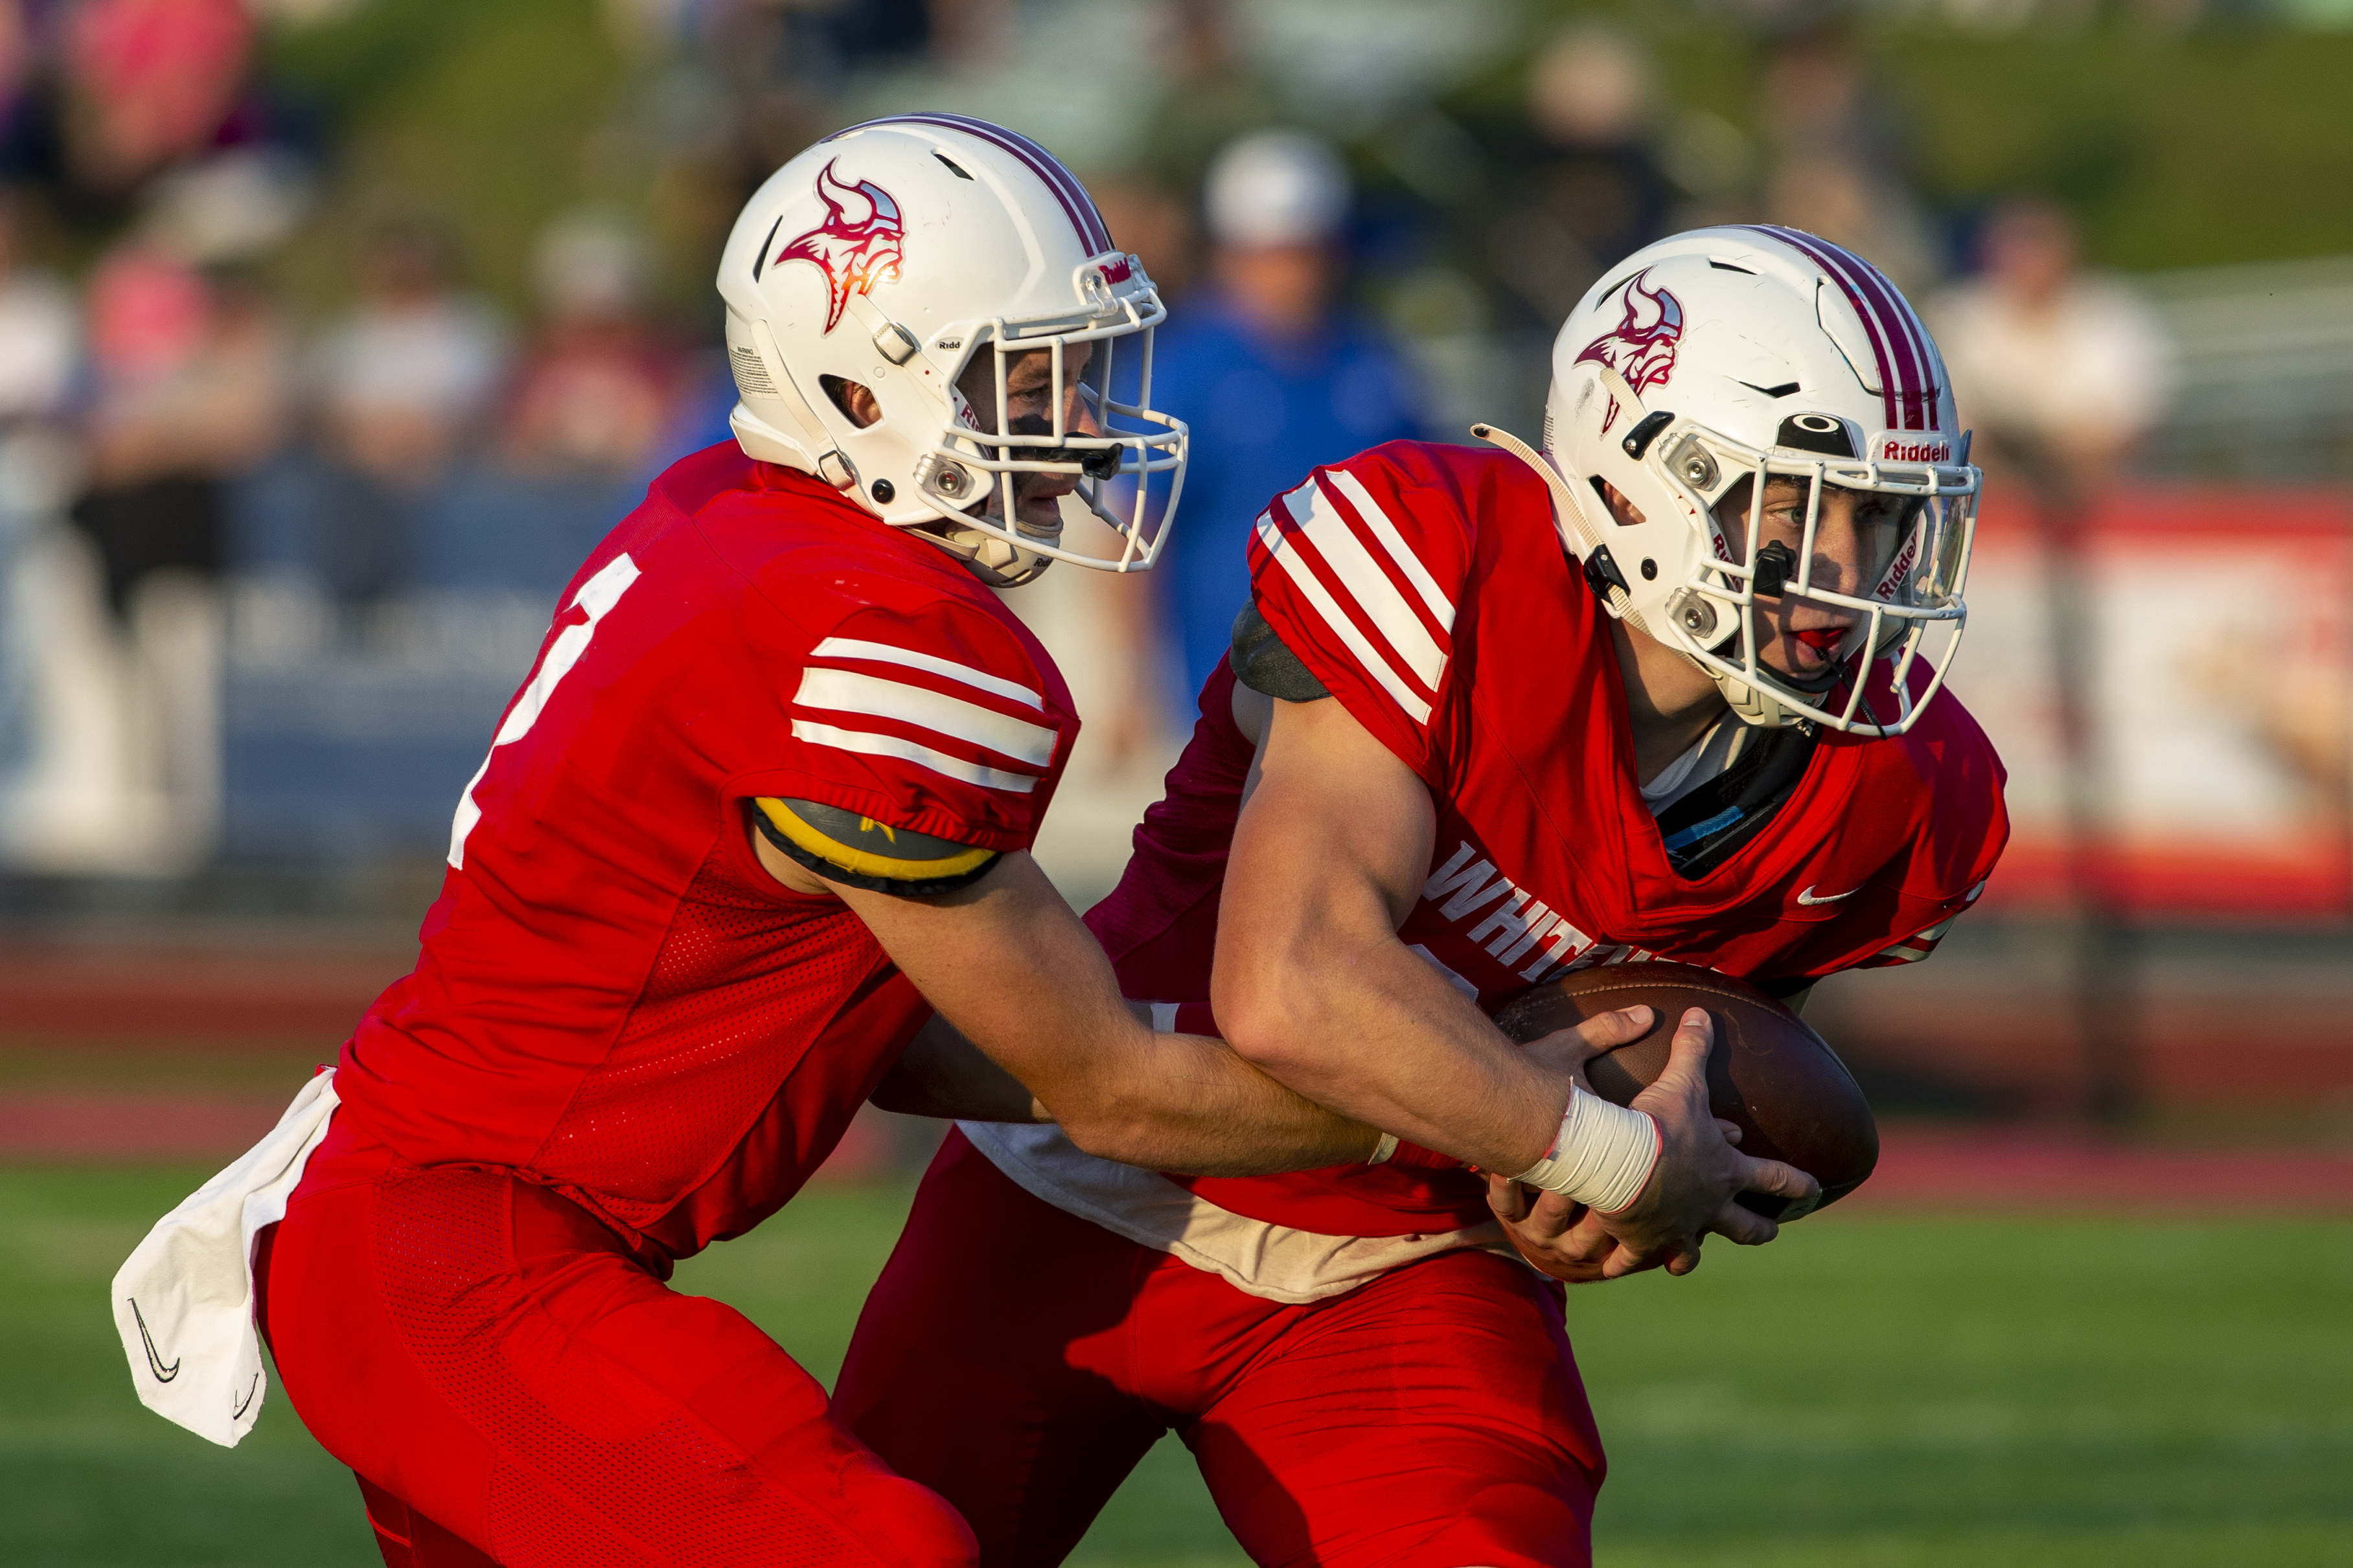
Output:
x=1743 y=353
x=891 y=254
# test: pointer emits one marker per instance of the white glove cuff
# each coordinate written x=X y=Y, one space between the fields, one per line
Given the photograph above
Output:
x=1603 y=1154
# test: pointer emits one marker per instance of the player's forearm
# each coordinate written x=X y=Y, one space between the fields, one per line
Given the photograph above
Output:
x=1026 y=983
x=1167 y=1102
x=1187 y=1102
x=943 y=1074
x=1374 y=1031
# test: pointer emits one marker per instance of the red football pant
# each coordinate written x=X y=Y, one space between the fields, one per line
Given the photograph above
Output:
x=1018 y=1361
x=512 y=1387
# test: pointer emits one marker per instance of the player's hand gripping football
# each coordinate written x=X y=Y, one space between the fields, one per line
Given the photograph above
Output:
x=1692 y=1188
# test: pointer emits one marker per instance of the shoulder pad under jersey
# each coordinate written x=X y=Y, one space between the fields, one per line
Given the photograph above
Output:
x=1261 y=662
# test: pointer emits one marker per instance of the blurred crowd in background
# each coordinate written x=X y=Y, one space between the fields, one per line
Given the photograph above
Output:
x=313 y=395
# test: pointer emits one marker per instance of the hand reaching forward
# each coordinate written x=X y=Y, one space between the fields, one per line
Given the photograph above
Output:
x=1691 y=1190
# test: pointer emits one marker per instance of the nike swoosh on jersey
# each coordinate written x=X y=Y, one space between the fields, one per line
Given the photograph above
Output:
x=1806 y=895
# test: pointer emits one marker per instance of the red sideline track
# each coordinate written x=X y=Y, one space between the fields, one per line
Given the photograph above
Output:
x=2010 y=1168
x=1978 y=1167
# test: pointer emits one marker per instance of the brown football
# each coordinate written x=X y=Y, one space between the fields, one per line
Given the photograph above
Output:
x=1771 y=1075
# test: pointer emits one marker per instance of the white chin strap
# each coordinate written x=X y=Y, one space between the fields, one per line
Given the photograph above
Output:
x=1752 y=702
x=991 y=557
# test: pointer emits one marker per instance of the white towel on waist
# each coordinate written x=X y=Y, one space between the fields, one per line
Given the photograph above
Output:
x=183 y=1300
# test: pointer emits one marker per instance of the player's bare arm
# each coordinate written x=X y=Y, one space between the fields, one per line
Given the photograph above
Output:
x=942 y=1074
x=1010 y=965
x=1312 y=983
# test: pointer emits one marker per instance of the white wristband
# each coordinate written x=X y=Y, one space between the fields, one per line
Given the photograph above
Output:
x=1383 y=1149
x=1602 y=1155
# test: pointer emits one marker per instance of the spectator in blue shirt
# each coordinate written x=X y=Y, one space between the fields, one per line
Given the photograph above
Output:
x=1273 y=373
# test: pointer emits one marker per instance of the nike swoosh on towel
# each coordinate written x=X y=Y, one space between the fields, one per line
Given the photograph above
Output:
x=154 y=1361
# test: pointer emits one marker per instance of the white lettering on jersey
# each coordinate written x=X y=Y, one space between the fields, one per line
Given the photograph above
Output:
x=1472 y=881
x=1516 y=924
x=597 y=596
x=1514 y=928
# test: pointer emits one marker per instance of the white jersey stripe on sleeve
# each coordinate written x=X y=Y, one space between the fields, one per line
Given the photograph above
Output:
x=887 y=653
x=1303 y=575
x=1441 y=608
x=848 y=691
x=1373 y=591
x=874 y=745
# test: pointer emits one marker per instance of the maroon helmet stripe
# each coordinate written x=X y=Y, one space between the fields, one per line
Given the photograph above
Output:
x=1093 y=230
x=1904 y=334
x=1077 y=206
x=1906 y=337
x=1896 y=321
x=1815 y=251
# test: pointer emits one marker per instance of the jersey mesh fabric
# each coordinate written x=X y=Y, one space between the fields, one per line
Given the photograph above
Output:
x=443 y=1266
x=737 y=994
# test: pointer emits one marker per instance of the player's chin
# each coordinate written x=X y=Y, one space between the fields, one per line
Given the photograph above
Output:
x=1040 y=511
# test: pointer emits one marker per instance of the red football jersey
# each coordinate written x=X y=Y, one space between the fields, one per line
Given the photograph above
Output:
x=613 y=997
x=1426 y=587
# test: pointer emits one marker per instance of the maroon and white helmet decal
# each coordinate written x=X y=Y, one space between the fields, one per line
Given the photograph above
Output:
x=1642 y=347
x=857 y=246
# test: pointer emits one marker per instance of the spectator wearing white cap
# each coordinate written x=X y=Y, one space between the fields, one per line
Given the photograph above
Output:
x=1273 y=373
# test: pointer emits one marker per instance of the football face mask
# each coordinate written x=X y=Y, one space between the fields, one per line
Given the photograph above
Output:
x=1728 y=365
x=1123 y=459
x=1827 y=598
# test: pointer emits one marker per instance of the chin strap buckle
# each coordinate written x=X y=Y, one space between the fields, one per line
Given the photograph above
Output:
x=1601 y=575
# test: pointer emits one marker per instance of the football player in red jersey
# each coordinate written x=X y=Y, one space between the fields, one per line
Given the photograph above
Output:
x=1668 y=690
x=777 y=768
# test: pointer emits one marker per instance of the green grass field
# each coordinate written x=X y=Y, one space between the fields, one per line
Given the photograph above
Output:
x=1874 y=1391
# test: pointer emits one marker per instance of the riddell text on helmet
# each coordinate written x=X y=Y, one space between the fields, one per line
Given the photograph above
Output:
x=1897 y=449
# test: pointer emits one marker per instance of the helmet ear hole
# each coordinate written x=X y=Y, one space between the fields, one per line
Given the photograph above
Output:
x=854 y=400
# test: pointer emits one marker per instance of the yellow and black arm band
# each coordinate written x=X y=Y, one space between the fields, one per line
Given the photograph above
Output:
x=860 y=852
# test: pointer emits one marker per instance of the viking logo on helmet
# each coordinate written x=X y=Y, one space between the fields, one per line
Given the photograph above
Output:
x=1642 y=347
x=856 y=246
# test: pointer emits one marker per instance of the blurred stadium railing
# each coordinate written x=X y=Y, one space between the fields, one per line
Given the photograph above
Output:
x=2266 y=362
